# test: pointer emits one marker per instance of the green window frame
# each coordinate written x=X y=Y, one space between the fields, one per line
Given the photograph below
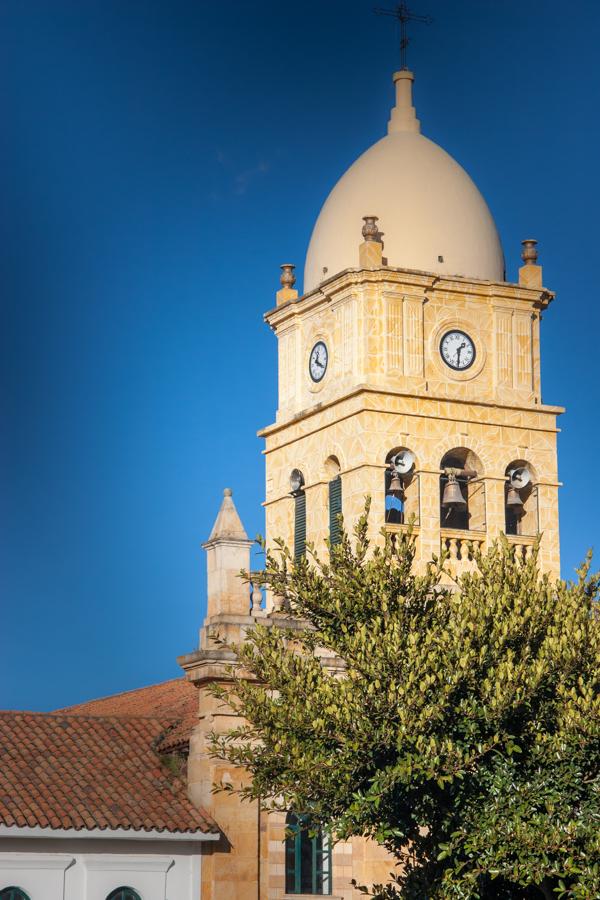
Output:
x=335 y=509
x=123 y=893
x=299 y=524
x=13 y=893
x=307 y=858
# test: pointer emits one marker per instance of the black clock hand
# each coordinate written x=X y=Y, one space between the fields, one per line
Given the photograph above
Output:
x=317 y=363
x=458 y=352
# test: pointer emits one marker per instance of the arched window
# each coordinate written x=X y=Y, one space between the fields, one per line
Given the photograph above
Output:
x=123 y=893
x=401 y=485
x=521 y=499
x=332 y=469
x=13 y=893
x=307 y=858
x=462 y=491
x=299 y=495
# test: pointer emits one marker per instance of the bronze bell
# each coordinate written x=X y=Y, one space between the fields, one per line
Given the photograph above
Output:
x=453 y=495
x=513 y=500
x=396 y=487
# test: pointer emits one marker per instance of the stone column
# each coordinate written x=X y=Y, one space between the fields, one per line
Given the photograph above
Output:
x=429 y=531
x=495 y=507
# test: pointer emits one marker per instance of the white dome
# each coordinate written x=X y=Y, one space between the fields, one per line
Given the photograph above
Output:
x=431 y=214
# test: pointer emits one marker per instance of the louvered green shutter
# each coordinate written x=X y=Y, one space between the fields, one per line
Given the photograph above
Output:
x=335 y=509
x=299 y=525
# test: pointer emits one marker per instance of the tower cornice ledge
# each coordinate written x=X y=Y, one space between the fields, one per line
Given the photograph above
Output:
x=227 y=542
x=426 y=282
x=366 y=389
x=215 y=661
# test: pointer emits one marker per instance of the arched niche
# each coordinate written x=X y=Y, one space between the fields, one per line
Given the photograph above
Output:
x=331 y=467
x=404 y=505
x=297 y=491
x=332 y=474
x=466 y=468
x=521 y=519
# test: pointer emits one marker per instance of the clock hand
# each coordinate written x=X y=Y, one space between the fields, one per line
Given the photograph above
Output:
x=459 y=351
x=317 y=363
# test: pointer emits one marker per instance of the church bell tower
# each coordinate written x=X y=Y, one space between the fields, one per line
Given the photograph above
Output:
x=409 y=370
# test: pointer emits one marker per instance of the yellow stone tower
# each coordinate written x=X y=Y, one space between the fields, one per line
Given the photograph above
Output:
x=409 y=371
x=412 y=340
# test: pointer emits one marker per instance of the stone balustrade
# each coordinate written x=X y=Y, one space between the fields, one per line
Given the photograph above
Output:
x=523 y=544
x=461 y=547
x=257 y=594
x=397 y=528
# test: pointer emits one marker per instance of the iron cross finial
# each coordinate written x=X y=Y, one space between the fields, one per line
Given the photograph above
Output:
x=404 y=15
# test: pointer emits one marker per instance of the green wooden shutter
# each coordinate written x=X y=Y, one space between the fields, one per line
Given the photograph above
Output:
x=299 y=525
x=335 y=510
x=307 y=858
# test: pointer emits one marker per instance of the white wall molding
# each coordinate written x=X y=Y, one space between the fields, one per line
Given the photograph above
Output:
x=40 y=861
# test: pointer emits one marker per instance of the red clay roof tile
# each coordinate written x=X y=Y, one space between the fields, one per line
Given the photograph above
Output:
x=175 y=699
x=92 y=771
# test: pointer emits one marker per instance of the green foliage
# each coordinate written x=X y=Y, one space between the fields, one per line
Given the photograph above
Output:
x=459 y=728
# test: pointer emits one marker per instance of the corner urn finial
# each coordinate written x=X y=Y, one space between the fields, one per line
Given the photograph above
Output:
x=287 y=279
x=529 y=253
x=370 y=231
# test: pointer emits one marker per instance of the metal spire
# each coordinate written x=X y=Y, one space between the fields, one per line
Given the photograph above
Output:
x=403 y=15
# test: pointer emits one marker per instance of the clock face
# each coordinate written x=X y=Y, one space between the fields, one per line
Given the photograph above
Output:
x=457 y=350
x=317 y=362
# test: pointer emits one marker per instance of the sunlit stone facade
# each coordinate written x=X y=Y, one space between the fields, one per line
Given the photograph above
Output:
x=362 y=376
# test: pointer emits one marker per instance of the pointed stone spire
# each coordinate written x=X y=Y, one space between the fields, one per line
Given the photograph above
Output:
x=403 y=116
x=227 y=554
x=228 y=524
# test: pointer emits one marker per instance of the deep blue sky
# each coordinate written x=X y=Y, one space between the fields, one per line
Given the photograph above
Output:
x=158 y=161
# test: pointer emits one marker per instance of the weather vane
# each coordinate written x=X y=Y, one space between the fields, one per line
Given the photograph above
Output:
x=404 y=15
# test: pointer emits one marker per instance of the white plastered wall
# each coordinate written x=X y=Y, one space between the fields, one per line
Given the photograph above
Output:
x=89 y=869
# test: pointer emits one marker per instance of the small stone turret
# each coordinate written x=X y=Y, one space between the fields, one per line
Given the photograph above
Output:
x=227 y=553
x=232 y=868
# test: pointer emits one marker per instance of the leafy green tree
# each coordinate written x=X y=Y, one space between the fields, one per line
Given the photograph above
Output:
x=460 y=728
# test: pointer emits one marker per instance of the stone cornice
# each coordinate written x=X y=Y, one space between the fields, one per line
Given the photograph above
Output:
x=362 y=389
x=426 y=282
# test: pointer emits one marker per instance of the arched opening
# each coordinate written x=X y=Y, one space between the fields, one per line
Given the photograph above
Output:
x=521 y=499
x=332 y=473
x=307 y=857
x=298 y=493
x=462 y=491
x=332 y=467
x=401 y=486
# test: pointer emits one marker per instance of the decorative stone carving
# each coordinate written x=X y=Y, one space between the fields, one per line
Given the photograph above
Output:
x=287 y=279
x=370 y=231
x=529 y=252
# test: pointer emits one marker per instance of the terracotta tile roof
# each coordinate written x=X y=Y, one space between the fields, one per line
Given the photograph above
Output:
x=176 y=699
x=75 y=771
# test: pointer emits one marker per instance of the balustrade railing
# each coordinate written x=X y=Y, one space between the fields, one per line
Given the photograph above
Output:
x=461 y=547
x=257 y=594
x=523 y=545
